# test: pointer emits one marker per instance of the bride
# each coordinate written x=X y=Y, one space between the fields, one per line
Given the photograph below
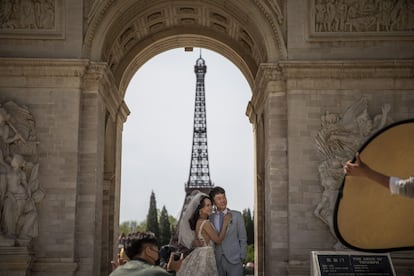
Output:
x=201 y=261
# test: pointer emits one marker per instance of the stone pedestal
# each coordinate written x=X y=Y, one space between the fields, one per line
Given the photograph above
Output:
x=15 y=261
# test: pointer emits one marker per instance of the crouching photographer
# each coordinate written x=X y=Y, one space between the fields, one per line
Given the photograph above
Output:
x=143 y=254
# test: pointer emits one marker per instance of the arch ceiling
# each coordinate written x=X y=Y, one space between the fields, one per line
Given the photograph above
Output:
x=127 y=33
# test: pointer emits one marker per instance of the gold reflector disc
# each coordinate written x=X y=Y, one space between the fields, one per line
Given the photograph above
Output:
x=367 y=217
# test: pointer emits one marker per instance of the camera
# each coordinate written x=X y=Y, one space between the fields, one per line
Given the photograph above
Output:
x=177 y=255
x=166 y=251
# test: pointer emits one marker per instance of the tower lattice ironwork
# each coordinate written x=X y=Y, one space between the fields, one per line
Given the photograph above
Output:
x=199 y=175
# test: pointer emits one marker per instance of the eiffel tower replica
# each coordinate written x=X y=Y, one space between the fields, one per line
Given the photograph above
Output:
x=199 y=176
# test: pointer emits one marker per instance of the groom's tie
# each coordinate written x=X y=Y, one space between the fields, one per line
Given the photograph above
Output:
x=220 y=224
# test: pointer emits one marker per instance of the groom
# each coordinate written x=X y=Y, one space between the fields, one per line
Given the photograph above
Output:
x=231 y=253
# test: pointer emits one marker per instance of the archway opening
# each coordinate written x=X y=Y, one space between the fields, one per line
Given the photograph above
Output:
x=157 y=136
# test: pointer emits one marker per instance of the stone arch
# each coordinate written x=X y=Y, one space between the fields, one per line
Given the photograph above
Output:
x=73 y=72
x=126 y=34
x=123 y=35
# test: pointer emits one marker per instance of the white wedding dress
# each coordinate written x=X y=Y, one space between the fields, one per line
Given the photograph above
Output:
x=201 y=261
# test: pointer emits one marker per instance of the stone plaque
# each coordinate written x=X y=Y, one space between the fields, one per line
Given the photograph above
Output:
x=335 y=263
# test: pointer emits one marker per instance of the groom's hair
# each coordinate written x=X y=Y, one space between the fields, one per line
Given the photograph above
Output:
x=215 y=191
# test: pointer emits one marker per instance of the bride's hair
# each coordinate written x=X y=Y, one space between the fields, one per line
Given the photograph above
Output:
x=196 y=214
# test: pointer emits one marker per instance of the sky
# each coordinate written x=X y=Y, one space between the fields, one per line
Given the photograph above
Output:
x=157 y=136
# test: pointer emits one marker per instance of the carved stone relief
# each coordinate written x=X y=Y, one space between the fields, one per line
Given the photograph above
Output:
x=20 y=189
x=340 y=137
x=27 y=14
x=362 y=16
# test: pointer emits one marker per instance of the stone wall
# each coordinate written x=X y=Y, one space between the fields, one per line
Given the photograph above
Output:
x=69 y=62
x=368 y=38
x=51 y=91
x=314 y=88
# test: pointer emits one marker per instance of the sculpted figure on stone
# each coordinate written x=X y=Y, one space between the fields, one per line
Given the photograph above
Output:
x=19 y=184
x=363 y=16
x=19 y=216
x=27 y=14
x=340 y=136
x=5 y=128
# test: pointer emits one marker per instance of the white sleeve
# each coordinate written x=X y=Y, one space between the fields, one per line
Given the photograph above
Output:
x=394 y=187
x=404 y=187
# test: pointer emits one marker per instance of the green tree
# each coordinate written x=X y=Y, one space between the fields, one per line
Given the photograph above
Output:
x=142 y=226
x=127 y=227
x=250 y=253
x=152 y=216
x=248 y=221
x=165 y=227
x=173 y=221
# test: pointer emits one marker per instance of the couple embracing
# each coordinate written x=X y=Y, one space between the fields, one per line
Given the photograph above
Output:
x=221 y=236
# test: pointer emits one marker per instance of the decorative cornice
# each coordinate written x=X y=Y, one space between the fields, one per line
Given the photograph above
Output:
x=342 y=69
x=99 y=78
x=42 y=73
x=42 y=67
x=268 y=72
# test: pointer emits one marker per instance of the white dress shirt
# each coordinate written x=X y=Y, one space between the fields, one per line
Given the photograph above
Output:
x=404 y=187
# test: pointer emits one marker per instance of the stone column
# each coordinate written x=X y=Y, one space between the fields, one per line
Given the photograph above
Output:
x=267 y=111
x=112 y=189
x=100 y=103
x=121 y=117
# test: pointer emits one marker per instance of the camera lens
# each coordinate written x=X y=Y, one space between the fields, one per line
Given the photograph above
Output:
x=176 y=256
